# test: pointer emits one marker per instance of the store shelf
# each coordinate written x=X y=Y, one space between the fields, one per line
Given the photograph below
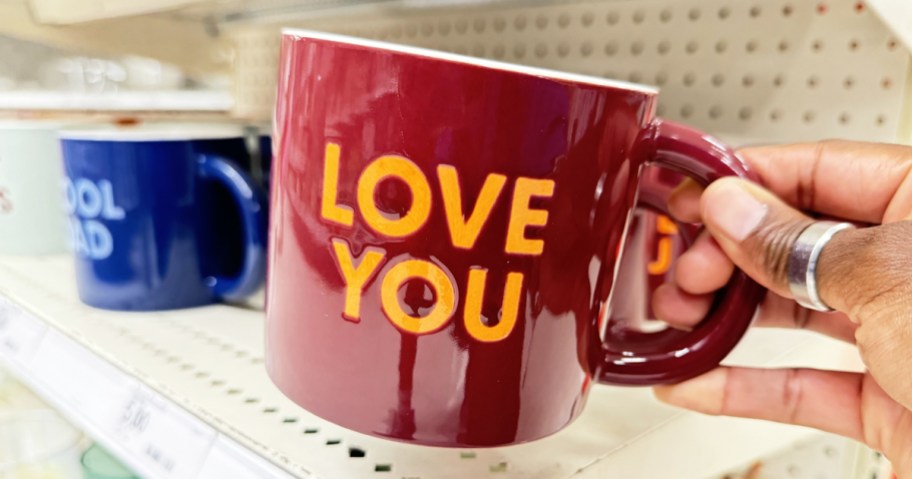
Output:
x=184 y=394
x=160 y=101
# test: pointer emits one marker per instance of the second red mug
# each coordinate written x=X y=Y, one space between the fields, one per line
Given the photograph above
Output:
x=445 y=240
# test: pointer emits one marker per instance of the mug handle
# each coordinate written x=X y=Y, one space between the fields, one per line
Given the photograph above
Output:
x=635 y=358
x=252 y=206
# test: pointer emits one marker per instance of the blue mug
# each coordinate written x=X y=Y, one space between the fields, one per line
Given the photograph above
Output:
x=163 y=216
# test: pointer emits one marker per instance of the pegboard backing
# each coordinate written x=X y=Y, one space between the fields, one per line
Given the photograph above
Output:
x=763 y=70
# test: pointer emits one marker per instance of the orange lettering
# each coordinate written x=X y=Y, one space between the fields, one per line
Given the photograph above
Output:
x=509 y=309
x=522 y=216
x=356 y=277
x=328 y=207
x=444 y=291
x=464 y=232
x=407 y=171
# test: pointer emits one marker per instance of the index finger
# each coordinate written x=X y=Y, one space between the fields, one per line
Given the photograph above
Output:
x=866 y=182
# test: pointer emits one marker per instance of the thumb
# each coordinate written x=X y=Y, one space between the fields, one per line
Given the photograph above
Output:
x=757 y=231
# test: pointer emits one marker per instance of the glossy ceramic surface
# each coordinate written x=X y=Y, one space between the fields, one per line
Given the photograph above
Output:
x=163 y=224
x=31 y=216
x=445 y=237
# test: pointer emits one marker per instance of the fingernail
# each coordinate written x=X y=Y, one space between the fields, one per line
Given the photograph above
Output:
x=702 y=393
x=732 y=209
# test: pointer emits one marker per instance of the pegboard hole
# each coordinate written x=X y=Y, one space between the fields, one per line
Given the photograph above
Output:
x=718 y=79
x=686 y=111
x=747 y=81
x=721 y=46
x=822 y=8
x=639 y=16
x=715 y=112
x=562 y=50
x=724 y=13
x=755 y=11
x=635 y=77
x=252 y=400
x=461 y=26
x=787 y=10
x=427 y=29
x=311 y=430
x=499 y=24
x=783 y=46
x=853 y=45
x=498 y=51
x=411 y=30
x=479 y=25
x=541 y=22
x=290 y=420
x=745 y=113
x=691 y=47
x=751 y=46
x=519 y=23
x=636 y=48
x=498 y=467
x=816 y=45
x=611 y=48
x=201 y=374
x=233 y=391
x=812 y=82
x=519 y=51
x=478 y=50
x=665 y=16
x=356 y=452
x=443 y=28
x=778 y=81
x=613 y=18
x=848 y=83
x=660 y=110
x=467 y=455
x=383 y=467
x=881 y=120
x=830 y=451
x=541 y=50
x=587 y=19
x=694 y=14
x=186 y=367
x=859 y=7
x=891 y=44
x=563 y=20
x=585 y=49
x=333 y=442
x=270 y=410
x=256 y=360
x=844 y=118
x=775 y=115
x=661 y=78
x=663 y=47
x=886 y=83
x=689 y=79
x=808 y=117
x=217 y=383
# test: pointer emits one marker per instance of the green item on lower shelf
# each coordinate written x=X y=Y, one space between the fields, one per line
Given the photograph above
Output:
x=98 y=464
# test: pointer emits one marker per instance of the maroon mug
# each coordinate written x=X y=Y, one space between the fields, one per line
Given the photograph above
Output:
x=445 y=235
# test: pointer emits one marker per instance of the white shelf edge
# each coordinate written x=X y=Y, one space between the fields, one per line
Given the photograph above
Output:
x=27 y=342
x=179 y=100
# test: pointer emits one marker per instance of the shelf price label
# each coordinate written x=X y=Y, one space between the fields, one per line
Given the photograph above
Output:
x=20 y=332
x=163 y=436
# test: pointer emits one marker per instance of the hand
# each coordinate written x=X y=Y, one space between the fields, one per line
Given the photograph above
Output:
x=865 y=274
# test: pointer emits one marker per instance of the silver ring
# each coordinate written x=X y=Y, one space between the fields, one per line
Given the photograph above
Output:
x=802 y=262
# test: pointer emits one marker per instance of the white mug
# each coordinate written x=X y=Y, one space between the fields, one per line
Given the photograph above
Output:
x=31 y=209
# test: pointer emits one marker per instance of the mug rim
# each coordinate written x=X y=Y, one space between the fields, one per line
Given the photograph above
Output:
x=152 y=132
x=545 y=73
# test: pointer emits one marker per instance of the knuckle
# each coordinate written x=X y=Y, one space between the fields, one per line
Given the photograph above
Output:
x=870 y=269
x=773 y=245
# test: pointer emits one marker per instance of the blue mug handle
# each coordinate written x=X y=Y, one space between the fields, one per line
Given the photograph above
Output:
x=252 y=205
